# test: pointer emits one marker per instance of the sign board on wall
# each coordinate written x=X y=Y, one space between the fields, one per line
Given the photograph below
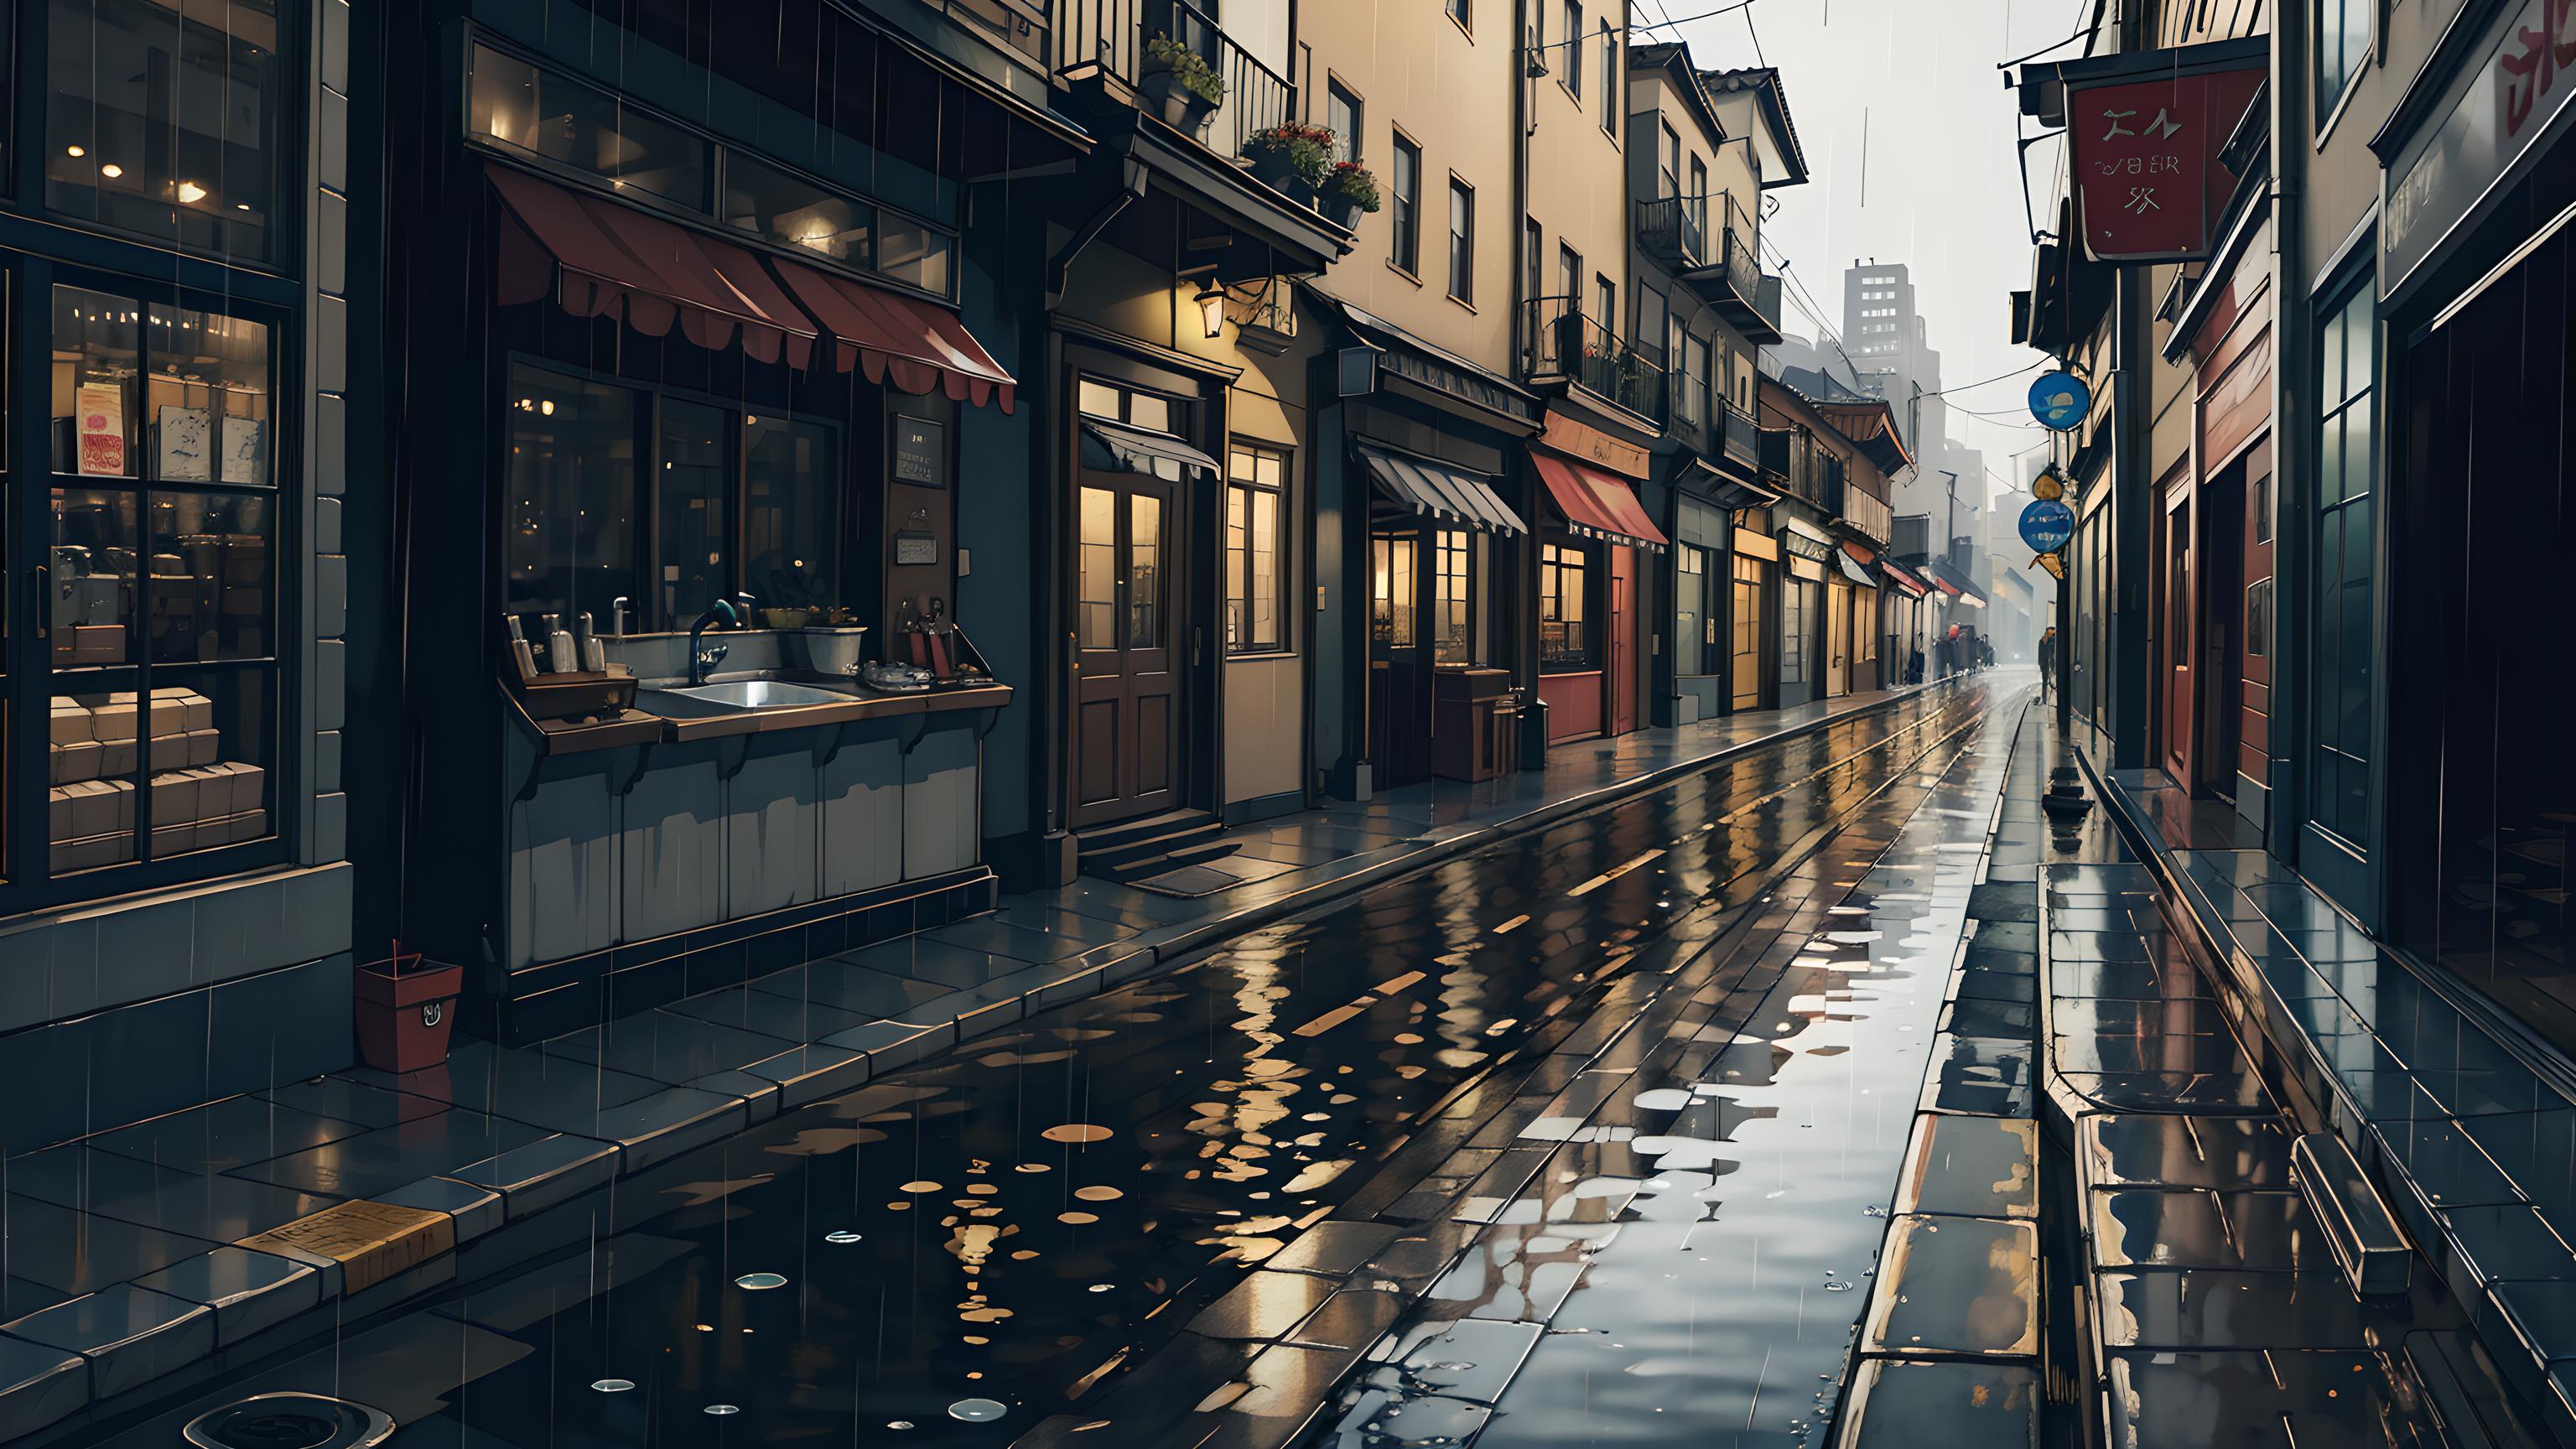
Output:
x=920 y=452
x=2520 y=82
x=2148 y=182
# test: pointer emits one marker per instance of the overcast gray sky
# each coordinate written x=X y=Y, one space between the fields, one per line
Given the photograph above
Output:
x=1941 y=190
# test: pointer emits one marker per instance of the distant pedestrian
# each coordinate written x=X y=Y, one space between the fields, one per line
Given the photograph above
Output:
x=2048 y=660
x=1950 y=662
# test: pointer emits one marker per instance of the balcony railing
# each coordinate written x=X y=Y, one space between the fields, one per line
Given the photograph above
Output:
x=1743 y=440
x=1117 y=37
x=1560 y=344
x=1798 y=465
x=1736 y=286
x=1674 y=228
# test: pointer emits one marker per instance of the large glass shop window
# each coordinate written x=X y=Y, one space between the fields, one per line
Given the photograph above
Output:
x=160 y=608
x=161 y=120
x=641 y=508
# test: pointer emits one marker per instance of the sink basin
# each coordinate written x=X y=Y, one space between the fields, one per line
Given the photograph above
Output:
x=740 y=694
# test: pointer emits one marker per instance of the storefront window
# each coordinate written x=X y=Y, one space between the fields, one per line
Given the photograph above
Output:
x=547 y=113
x=1563 y=641
x=2340 y=681
x=1690 y=596
x=792 y=211
x=1391 y=592
x=1794 y=596
x=1453 y=592
x=160 y=613
x=1256 y=507
x=735 y=503
x=161 y=120
x=1745 y=642
x=791 y=526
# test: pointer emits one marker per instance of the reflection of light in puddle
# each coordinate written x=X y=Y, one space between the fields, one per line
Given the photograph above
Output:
x=899 y=1424
x=1098 y=1194
x=918 y=1187
x=1077 y=1218
x=1033 y=1167
x=613 y=1386
x=1076 y=1132
x=723 y=1410
x=759 y=1282
x=840 y=1235
x=976 y=1411
x=1099 y=1287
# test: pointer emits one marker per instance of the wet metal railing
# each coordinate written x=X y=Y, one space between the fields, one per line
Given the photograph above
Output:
x=1560 y=344
x=1114 y=35
x=1674 y=228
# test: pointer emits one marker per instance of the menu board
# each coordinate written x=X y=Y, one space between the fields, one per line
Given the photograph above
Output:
x=920 y=452
x=100 y=413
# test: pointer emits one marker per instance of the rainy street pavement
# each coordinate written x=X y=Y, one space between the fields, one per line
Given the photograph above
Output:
x=1586 y=1138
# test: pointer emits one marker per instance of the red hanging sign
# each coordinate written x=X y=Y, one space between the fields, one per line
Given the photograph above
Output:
x=2148 y=181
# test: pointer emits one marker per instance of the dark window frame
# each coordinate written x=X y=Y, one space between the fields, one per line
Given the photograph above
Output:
x=644 y=584
x=1404 y=218
x=1462 y=242
x=1283 y=584
x=1560 y=555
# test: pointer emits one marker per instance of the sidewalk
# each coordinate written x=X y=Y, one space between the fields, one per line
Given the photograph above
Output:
x=2216 y=1312
x=205 y=1238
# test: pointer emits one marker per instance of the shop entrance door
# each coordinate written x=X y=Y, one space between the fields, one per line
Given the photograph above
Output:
x=2177 y=711
x=1399 y=655
x=2222 y=631
x=1838 y=611
x=1620 y=661
x=1747 y=626
x=1127 y=730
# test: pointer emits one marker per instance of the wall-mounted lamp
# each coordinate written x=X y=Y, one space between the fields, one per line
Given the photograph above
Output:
x=1212 y=308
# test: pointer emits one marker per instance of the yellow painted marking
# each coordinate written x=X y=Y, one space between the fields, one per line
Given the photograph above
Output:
x=1616 y=871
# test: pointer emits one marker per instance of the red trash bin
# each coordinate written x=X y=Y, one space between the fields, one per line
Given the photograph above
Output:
x=406 y=1008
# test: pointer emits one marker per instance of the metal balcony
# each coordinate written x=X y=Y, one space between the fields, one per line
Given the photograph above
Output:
x=1560 y=344
x=1112 y=38
x=1734 y=283
x=1674 y=229
x=1794 y=464
x=1743 y=437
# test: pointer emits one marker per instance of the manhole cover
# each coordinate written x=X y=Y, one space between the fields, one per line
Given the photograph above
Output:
x=290 y=1421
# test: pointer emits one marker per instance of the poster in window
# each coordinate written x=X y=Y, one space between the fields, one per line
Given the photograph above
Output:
x=245 y=447
x=185 y=447
x=920 y=452
x=101 y=413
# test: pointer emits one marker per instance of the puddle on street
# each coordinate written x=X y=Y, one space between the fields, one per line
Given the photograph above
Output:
x=946 y=1256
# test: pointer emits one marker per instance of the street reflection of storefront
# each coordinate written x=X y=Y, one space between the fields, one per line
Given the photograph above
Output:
x=2458 y=755
x=171 y=705
x=1804 y=549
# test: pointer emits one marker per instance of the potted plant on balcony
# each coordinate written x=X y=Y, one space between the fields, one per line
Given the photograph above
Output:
x=1291 y=158
x=1182 y=83
x=1349 y=190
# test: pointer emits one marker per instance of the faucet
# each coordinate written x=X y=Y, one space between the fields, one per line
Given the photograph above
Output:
x=703 y=658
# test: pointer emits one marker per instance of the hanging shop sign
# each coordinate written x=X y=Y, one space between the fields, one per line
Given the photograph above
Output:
x=2048 y=485
x=2060 y=400
x=2148 y=182
x=2055 y=563
x=2503 y=102
x=2047 y=524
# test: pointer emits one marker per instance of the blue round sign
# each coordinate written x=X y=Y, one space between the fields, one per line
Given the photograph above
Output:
x=2047 y=524
x=2060 y=400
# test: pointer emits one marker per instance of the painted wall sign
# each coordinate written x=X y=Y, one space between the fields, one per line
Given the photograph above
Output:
x=2149 y=185
x=1581 y=439
x=2047 y=524
x=2519 y=85
x=2060 y=400
x=920 y=452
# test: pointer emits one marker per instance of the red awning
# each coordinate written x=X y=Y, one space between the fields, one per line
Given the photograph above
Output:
x=903 y=342
x=1595 y=503
x=601 y=258
x=1897 y=574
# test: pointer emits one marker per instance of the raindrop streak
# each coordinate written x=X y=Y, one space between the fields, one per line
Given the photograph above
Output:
x=976 y=1411
x=757 y=1282
x=613 y=1386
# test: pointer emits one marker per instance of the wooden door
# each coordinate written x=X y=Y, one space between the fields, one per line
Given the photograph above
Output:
x=1127 y=730
x=1749 y=624
x=1620 y=662
x=2176 y=636
x=1838 y=597
x=1399 y=653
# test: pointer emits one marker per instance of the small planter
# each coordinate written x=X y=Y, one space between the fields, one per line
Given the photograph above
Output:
x=1277 y=171
x=1181 y=108
x=405 y=1016
x=1342 y=211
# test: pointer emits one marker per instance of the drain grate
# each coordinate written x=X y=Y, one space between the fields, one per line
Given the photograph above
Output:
x=290 y=1421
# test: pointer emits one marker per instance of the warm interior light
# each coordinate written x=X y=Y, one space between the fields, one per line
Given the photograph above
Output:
x=547 y=407
x=111 y=171
x=75 y=150
x=191 y=193
x=1212 y=308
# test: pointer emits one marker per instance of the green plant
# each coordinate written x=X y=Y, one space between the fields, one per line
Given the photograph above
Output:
x=1306 y=151
x=1353 y=182
x=1189 y=67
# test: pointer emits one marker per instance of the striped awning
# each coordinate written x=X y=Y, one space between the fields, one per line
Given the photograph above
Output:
x=1442 y=490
